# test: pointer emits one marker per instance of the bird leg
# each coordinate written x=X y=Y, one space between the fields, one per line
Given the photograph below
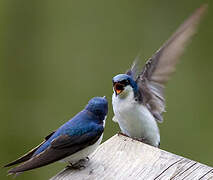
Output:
x=78 y=165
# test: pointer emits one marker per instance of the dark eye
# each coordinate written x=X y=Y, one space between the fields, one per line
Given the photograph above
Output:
x=125 y=82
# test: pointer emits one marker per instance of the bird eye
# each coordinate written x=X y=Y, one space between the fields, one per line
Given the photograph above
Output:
x=125 y=82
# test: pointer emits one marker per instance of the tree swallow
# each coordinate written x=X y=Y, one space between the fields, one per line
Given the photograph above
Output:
x=72 y=142
x=138 y=98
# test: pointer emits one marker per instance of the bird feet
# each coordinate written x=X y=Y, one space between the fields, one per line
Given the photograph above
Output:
x=78 y=165
x=120 y=133
x=133 y=138
x=140 y=139
x=143 y=140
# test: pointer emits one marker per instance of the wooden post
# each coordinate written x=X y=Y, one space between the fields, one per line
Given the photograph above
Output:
x=122 y=158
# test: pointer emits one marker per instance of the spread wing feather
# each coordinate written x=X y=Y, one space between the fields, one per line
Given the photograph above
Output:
x=161 y=65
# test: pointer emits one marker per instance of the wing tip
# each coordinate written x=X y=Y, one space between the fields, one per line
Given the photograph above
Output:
x=16 y=170
x=18 y=161
x=11 y=172
x=199 y=12
x=9 y=164
x=14 y=173
x=5 y=166
x=203 y=7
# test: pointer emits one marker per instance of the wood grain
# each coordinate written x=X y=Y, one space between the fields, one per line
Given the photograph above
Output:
x=122 y=158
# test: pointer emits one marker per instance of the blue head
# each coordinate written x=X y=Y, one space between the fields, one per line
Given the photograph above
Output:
x=123 y=83
x=98 y=106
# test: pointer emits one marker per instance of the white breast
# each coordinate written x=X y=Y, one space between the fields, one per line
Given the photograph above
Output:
x=134 y=119
x=83 y=153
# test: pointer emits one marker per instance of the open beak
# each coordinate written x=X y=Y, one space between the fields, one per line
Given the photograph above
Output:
x=118 y=87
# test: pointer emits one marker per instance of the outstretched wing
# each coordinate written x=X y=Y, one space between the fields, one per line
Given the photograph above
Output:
x=60 y=148
x=161 y=65
x=134 y=68
x=29 y=154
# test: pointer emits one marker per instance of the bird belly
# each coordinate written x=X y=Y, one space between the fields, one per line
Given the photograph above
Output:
x=135 y=120
x=82 y=153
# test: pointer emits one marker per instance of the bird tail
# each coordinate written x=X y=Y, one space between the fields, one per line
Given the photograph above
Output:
x=44 y=158
x=23 y=158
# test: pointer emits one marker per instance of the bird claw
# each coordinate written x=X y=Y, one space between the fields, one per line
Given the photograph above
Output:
x=140 y=139
x=143 y=140
x=78 y=165
x=120 y=133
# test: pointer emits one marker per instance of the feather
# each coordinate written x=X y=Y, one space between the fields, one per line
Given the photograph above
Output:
x=29 y=154
x=158 y=69
x=60 y=148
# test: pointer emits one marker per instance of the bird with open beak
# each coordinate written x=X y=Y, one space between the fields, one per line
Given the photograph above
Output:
x=138 y=99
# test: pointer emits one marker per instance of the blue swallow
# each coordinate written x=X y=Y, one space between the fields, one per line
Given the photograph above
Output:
x=138 y=99
x=72 y=142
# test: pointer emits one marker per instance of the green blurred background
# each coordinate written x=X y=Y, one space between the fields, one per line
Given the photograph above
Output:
x=56 y=55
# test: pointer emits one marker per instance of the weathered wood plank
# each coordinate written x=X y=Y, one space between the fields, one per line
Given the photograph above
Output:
x=122 y=158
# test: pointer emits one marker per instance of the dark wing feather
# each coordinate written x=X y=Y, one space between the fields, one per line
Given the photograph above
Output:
x=161 y=65
x=134 y=68
x=60 y=148
x=29 y=154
